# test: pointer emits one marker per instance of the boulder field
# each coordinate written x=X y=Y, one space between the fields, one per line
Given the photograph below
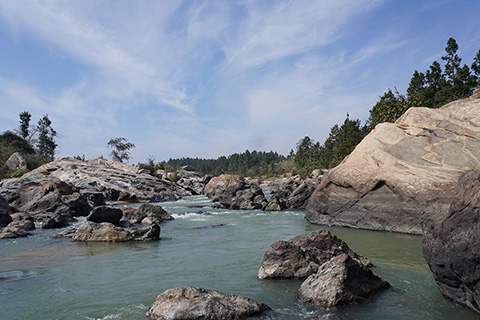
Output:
x=399 y=168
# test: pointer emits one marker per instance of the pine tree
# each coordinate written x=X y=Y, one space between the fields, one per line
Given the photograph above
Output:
x=25 y=118
x=46 y=139
x=121 y=149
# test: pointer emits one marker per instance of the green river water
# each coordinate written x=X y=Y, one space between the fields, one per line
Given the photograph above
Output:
x=46 y=278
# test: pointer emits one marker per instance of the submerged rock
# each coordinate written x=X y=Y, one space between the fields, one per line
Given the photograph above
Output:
x=303 y=255
x=393 y=174
x=342 y=280
x=451 y=242
x=198 y=303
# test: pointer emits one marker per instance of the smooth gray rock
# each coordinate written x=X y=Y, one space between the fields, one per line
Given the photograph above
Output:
x=16 y=162
x=202 y=304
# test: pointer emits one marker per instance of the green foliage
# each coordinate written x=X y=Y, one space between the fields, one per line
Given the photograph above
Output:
x=11 y=143
x=390 y=107
x=46 y=139
x=121 y=149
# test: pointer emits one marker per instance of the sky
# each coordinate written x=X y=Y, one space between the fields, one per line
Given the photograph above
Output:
x=211 y=78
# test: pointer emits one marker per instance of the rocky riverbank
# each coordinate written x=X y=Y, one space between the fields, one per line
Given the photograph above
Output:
x=58 y=192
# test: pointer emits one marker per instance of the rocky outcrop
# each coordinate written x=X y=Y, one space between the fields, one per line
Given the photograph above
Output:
x=390 y=177
x=197 y=303
x=232 y=192
x=451 y=242
x=301 y=256
x=16 y=162
x=342 y=280
x=113 y=180
x=328 y=316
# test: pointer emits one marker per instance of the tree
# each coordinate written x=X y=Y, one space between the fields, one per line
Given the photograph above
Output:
x=121 y=149
x=46 y=139
x=390 y=107
x=25 y=118
x=476 y=67
x=452 y=61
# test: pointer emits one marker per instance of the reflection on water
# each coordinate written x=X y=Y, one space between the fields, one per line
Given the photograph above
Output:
x=206 y=247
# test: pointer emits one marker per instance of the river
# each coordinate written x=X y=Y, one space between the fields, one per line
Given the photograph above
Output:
x=46 y=278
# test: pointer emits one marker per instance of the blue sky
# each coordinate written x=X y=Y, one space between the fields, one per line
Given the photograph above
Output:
x=211 y=78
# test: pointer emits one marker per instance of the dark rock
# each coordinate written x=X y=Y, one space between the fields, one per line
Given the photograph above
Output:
x=291 y=193
x=211 y=226
x=328 y=316
x=5 y=213
x=55 y=222
x=451 y=242
x=342 y=280
x=197 y=303
x=303 y=255
x=105 y=214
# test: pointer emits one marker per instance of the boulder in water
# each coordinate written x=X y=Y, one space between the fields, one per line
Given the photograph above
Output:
x=198 y=303
x=303 y=255
x=342 y=280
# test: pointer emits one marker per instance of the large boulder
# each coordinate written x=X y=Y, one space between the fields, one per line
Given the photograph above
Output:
x=451 y=242
x=340 y=281
x=392 y=175
x=303 y=255
x=225 y=184
x=101 y=232
x=198 y=303
x=16 y=162
x=5 y=213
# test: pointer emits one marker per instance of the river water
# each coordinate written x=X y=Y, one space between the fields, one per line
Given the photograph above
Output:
x=46 y=278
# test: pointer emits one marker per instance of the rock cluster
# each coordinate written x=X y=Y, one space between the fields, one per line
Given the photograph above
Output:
x=301 y=256
x=392 y=175
x=57 y=192
x=232 y=192
x=334 y=274
x=451 y=242
x=198 y=303
x=291 y=193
